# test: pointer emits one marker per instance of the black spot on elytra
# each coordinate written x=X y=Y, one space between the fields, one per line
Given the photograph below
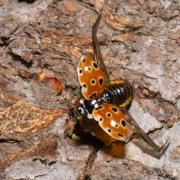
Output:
x=89 y=69
x=101 y=81
x=120 y=135
x=80 y=71
x=123 y=123
x=93 y=81
x=100 y=119
x=84 y=60
x=109 y=130
x=109 y=114
x=84 y=85
x=93 y=95
x=98 y=108
x=95 y=65
x=114 y=109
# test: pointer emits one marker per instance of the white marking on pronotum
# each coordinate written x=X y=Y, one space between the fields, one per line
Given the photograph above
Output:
x=94 y=101
x=81 y=101
x=96 y=105
x=90 y=116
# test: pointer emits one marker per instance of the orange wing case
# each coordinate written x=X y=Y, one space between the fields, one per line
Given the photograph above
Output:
x=91 y=77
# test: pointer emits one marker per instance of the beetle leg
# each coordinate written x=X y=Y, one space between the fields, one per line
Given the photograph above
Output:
x=150 y=150
x=77 y=114
x=144 y=136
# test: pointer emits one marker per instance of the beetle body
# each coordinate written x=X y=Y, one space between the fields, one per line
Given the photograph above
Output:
x=103 y=109
x=120 y=94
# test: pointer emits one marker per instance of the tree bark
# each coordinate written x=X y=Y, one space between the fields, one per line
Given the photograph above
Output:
x=41 y=43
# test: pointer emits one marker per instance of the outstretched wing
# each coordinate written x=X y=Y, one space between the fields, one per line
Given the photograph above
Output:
x=92 y=73
x=112 y=121
x=91 y=77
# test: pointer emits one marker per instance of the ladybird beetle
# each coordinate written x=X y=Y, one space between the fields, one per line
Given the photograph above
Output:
x=104 y=105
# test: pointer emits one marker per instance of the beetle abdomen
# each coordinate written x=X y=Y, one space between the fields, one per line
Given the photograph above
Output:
x=119 y=94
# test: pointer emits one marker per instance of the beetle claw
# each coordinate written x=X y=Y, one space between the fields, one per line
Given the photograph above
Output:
x=163 y=148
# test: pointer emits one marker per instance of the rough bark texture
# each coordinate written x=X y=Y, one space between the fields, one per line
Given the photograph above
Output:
x=139 y=42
